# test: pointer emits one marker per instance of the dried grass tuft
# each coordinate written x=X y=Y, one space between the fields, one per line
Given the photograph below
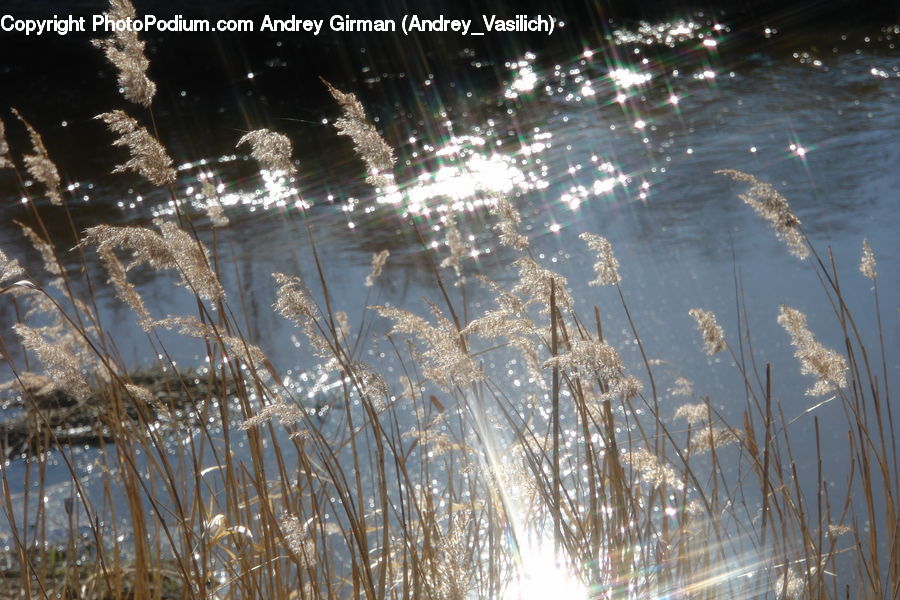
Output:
x=378 y=261
x=5 y=160
x=126 y=53
x=828 y=366
x=369 y=144
x=710 y=331
x=39 y=164
x=271 y=150
x=774 y=208
x=148 y=156
x=607 y=267
x=867 y=264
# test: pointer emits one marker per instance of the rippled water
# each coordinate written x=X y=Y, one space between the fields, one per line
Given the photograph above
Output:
x=621 y=140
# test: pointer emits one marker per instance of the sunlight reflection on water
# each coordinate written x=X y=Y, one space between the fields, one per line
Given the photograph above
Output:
x=621 y=139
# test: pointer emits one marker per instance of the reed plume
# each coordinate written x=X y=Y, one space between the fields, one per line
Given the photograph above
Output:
x=444 y=508
x=5 y=160
x=148 y=156
x=607 y=267
x=378 y=260
x=773 y=208
x=369 y=144
x=297 y=536
x=508 y=224
x=216 y=214
x=694 y=414
x=48 y=255
x=294 y=303
x=651 y=468
x=287 y=412
x=39 y=164
x=271 y=150
x=710 y=331
x=125 y=51
x=62 y=366
x=828 y=366
x=141 y=393
x=124 y=290
x=9 y=268
x=682 y=387
x=457 y=249
x=589 y=356
x=446 y=361
x=535 y=282
x=171 y=248
x=867 y=264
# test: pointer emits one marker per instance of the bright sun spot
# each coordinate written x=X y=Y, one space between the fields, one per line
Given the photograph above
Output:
x=798 y=150
x=539 y=577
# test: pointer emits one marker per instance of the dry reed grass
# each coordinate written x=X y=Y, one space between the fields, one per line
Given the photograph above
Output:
x=436 y=481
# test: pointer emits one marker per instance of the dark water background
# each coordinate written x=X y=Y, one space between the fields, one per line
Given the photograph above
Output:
x=593 y=129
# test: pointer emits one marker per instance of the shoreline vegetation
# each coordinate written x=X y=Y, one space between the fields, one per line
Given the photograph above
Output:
x=439 y=483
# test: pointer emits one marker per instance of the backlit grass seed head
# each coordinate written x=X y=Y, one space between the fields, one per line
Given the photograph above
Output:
x=535 y=283
x=694 y=414
x=171 y=248
x=835 y=530
x=216 y=214
x=682 y=387
x=651 y=470
x=867 y=264
x=455 y=576
x=48 y=256
x=710 y=331
x=298 y=538
x=774 y=208
x=5 y=160
x=124 y=290
x=342 y=323
x=789 y=585
x=9 y=268
x=829 y=367
x=437 y=442
x=445 y=359
x=61 y=364
x=501 y=323
x=368 y=143
x=192 y=260
x=126 y=53
x=456 y=246
x=235 y=347
x=148 y=156
x=709 y=438
x=589 y=356
x=606 y=267
x=510 y=321
x=372 y=384
x=293 y=301
x=140 y=393
x=508 y=224
x=626 y=387
x=39 y=164
x=287 y=412
x=271 y=150
x=378 y=261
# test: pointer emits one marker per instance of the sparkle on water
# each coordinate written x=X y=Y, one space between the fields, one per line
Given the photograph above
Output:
x=465 y=171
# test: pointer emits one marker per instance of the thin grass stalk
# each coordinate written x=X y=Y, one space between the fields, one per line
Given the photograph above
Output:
x=554 y=395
